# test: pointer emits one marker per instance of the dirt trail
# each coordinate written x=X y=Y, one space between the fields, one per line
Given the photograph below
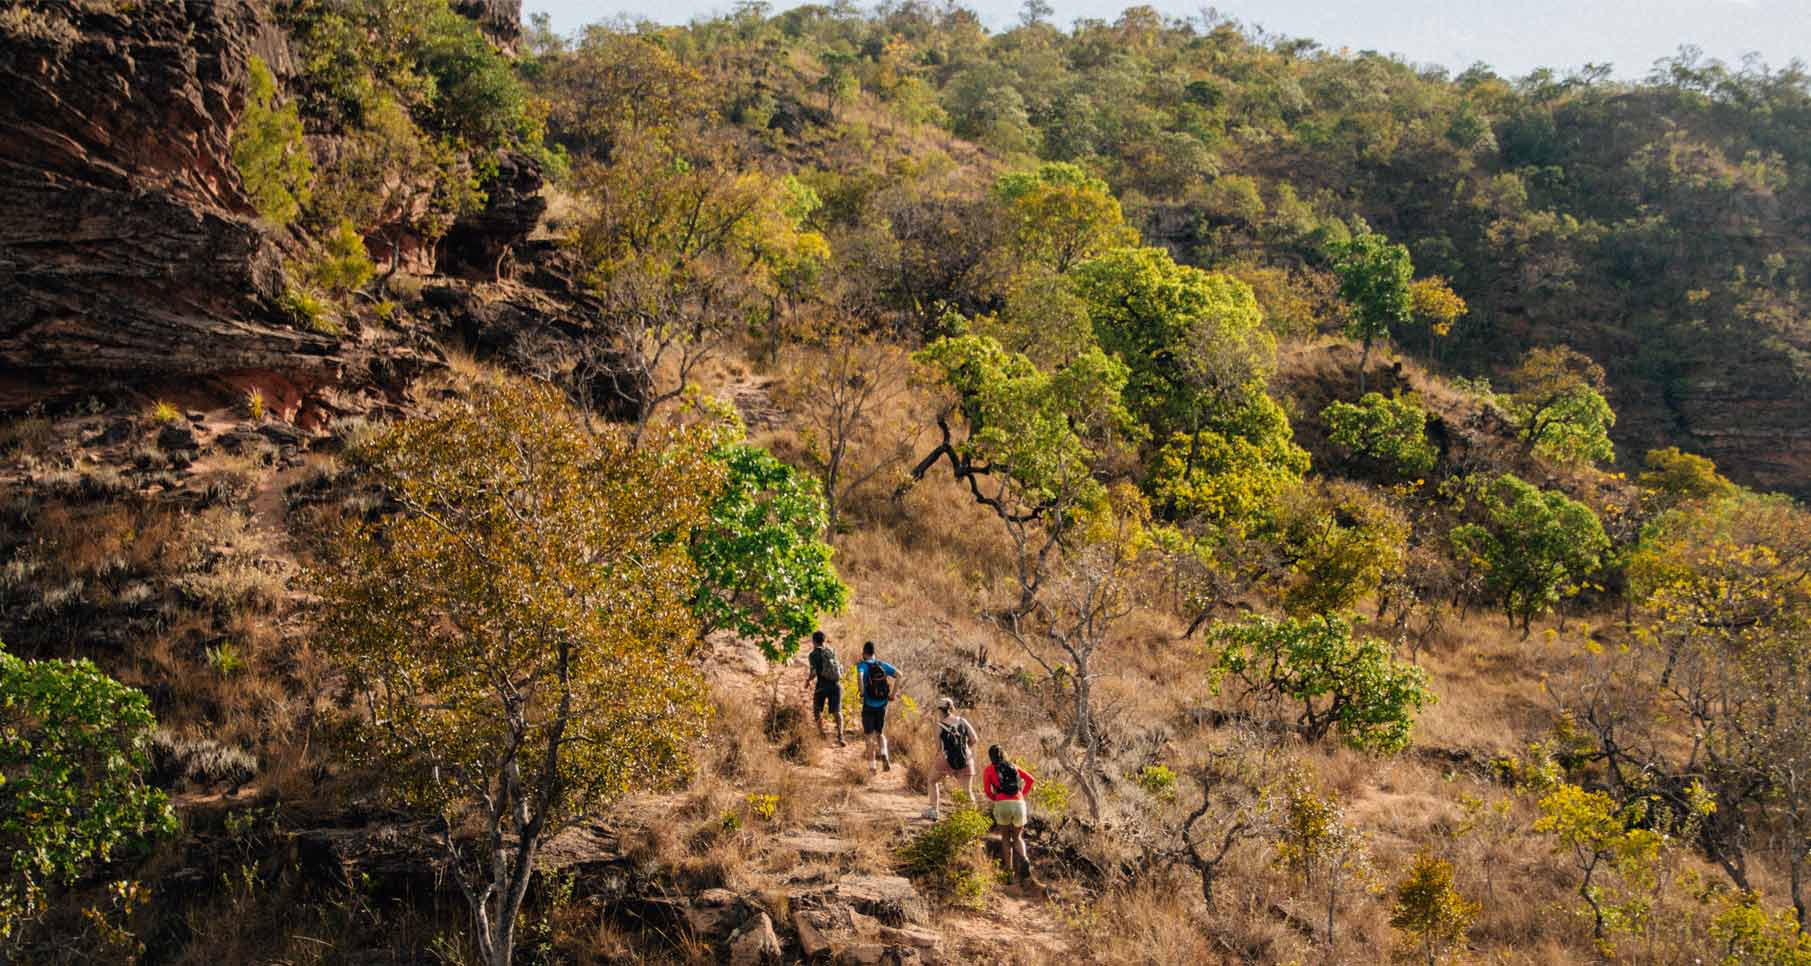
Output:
x=1015 y=926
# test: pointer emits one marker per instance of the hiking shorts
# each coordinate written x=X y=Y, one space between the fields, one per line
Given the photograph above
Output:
x=940 y=768
x=827 y=699
x=1011 y=813
x=873 y=720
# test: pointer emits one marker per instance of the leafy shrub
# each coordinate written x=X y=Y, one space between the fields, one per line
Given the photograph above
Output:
x=307 y=310
x=74 y=749
x=343 y=264
x=763 y=807
x=165 y=412
x=1353 y=686
x=1342 y=540
x=224 y=659
x=763 y=570
x=1536 y=549
x=1051 y=796
x=1158 y=781
x=1559 y=407
x=1390 y=433
x=268 y=151
x=1428 y=910
x=948 y=855
x=253 y=401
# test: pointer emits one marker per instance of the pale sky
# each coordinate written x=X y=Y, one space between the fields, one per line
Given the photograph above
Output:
x=1513 y=36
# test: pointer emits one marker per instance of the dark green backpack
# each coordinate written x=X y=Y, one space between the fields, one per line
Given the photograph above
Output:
x=825 y=665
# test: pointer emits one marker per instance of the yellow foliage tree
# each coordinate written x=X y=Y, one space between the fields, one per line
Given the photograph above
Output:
x=518 y=629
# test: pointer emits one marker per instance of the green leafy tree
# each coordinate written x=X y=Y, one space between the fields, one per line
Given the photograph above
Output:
x=1320 y=847
x=1616 y=856
x=1559 y=407
x=1341 y=541
x=1429 y=910
x=74 y=750
x=1536 y=549
x=1753 y=935
x=343 y=264
x=1672 y=476
x=1375 y=276
x=268 y=152
x=763 y=572
x=1060 y=215
x=1341 y=683
x=1227 y=483
x=1388 y=432
x=1194 y=341
x=519 y=629
x=1436 y=307
x=1024 y=440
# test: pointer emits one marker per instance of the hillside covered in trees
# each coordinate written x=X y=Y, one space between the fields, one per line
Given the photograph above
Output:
x=1364 y=498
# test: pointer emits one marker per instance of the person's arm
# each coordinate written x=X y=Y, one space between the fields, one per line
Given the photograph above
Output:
x=1025 y=783
x=987 y=782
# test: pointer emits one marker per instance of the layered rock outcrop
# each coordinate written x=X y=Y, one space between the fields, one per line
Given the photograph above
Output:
x=128 y=248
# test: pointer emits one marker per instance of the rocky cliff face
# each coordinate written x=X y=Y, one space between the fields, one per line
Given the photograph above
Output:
x=128 y=249
x=501 y=20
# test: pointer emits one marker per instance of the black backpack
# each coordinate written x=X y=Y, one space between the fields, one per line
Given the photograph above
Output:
x=1006 y=779
x=955 y=749
x=874 y=683
x=825 y=665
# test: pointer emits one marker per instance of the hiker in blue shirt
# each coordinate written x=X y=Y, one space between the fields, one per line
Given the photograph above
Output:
x=876 y=691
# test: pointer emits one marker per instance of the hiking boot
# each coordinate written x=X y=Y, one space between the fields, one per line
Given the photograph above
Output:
x=840 y=743
x=886 y=762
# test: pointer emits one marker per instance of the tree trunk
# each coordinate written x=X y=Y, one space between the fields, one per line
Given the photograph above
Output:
x=1364 y=361
x=1797 y=866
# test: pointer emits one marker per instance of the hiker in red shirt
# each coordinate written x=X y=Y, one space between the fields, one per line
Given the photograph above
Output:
x=1006 y=785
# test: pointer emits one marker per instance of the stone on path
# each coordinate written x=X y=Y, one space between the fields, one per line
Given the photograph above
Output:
x=755 y=943
x=890 y=898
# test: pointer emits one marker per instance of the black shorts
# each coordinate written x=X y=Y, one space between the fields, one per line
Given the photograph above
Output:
x=873 y=720
x=827 y=698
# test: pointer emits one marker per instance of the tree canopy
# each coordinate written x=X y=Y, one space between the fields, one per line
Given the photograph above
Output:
x=520 y=628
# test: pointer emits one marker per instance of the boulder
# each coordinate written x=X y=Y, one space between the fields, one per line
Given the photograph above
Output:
x=754 y=944
x=715 y=914
x=814 y=945
x=889 y=898
x=176 y=436
x=478 y=242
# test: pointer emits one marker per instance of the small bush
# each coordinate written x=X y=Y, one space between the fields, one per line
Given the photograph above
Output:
x=1390 y=433
x=254 y=404
x=225 y=660
x=343 y=265
x=1051 y=796
x=763 y=807
x=948 y=856
x=164 y=412
x=1158 y=781
x=268 y=151
x=308 y=311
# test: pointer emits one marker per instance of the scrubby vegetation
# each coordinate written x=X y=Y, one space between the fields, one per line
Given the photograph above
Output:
x=1130 y=385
